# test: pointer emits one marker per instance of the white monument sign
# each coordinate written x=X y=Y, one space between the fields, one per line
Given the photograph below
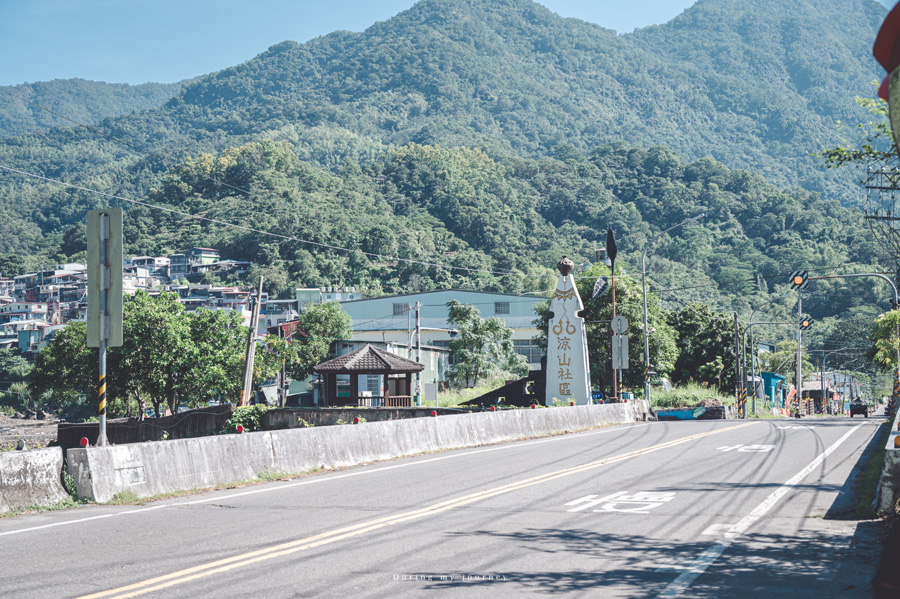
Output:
x=568 y=373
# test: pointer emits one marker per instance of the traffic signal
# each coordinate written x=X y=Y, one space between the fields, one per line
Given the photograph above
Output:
x=799 y=279
x=805 y=323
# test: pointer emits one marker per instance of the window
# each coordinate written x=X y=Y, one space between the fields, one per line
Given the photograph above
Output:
x=401 y=309
x=527 y=348
x=501 y=307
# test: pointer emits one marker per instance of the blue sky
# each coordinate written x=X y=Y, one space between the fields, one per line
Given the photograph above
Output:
x=135 y=41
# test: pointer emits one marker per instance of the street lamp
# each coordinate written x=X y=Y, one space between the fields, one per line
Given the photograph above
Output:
x=644 y=284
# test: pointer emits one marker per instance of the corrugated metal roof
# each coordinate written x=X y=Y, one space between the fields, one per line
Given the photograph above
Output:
x=371 y=360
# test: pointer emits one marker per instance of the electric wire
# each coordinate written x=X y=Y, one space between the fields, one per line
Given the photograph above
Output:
x=257 y=231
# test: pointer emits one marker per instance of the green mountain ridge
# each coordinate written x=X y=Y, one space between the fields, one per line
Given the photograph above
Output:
x=485 y=135
x=77 y=99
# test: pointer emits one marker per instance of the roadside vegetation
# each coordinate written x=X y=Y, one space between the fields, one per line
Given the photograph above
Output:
x=690 y=395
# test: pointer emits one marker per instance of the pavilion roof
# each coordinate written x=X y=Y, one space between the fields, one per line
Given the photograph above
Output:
x=369 y=360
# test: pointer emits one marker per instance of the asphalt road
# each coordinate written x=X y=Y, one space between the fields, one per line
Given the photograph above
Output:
x=692 y=509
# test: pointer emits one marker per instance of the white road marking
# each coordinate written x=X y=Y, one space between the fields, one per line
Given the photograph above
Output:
x=639 y=502
x=747 y=448
x=699 y=566
x=716 y=530
x=310 y=481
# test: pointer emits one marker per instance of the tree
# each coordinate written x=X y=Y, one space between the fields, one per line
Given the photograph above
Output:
x=65 y=374
x=706 y=346
x=14 y=371
x=783 y=361
x=885 y=340
x=483 y=347
x=317 y=327
x=169 y=357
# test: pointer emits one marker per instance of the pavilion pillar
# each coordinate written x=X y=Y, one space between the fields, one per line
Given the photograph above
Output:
x=409 y=386
x=354 y=387
x=387 y=389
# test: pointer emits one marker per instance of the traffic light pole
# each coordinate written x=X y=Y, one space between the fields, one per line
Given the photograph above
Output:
x=799 y=349
x=895 y=306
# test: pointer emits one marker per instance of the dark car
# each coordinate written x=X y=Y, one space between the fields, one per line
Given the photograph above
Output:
x=858 y=407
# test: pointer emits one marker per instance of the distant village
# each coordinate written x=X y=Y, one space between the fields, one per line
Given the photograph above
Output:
x=35 y=305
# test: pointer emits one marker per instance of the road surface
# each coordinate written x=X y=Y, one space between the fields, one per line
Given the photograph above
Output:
x=723 y=509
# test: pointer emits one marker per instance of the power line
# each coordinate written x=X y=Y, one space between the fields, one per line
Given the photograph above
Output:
x=258 y=231
x=114 y=139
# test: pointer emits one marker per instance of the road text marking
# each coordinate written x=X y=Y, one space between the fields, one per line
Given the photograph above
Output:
x=246 y=559
x=636 y=503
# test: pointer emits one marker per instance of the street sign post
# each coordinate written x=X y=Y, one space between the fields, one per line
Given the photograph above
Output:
x=620 y=352
x=104 y=316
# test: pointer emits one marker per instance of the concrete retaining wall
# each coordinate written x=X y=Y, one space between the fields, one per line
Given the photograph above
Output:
x=281 y=418
x=191 y=423
x=148 y=469
x=31 y=478
x=889 y=486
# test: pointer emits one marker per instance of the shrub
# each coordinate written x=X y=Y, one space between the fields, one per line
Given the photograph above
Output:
x=247 y=416
x=687 y=396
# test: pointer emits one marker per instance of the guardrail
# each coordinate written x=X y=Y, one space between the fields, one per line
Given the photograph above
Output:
x=889 y=485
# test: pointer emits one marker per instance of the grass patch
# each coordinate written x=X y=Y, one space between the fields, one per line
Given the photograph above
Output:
x=764 y=414
x=866 y=483
x=454 y=397
x=687 y=396
x=59 y=505
x=126 y=498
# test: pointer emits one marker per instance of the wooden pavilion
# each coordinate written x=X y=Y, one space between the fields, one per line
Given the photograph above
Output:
x=396 y=382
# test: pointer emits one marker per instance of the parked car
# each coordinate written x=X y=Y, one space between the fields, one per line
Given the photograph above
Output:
x=858 y=407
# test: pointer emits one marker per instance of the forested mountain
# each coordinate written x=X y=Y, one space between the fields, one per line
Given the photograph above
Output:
x=501 y=225
x=77 y=99
x=491 y=135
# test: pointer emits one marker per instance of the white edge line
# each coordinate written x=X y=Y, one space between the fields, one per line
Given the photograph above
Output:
x=268 y=489
x=699 y=566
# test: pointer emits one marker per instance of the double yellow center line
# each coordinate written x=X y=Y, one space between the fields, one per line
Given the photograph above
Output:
x=325 y=538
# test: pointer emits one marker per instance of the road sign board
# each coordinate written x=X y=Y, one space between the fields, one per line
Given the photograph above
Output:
x=620 y=352
x=104 y=237
x=600 y=287
x=619 y=324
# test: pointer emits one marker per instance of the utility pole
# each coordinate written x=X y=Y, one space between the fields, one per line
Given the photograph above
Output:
x=822 y=376
x=251 y=347
x=104 y=318
x=283 y=373
x=419 y=355
x=737 y=364
x=799 y=349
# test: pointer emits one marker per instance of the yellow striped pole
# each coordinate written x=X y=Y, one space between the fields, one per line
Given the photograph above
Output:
x=102 y=389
